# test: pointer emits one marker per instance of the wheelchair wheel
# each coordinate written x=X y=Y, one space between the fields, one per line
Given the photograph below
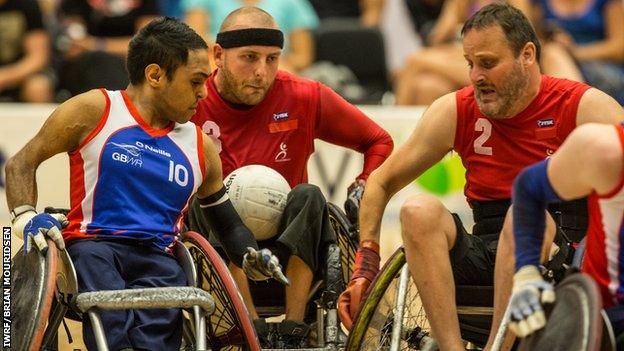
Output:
x=574 y=321
x=229 y=327
x=33 y=284
x=347 y=238
x=379 y=325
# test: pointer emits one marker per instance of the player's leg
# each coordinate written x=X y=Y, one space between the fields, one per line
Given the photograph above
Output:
x=429 y=233
x=305 y=231
x=97 y=268
x=154 y=329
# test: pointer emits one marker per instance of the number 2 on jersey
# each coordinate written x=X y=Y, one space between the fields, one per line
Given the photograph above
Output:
x=483 y=125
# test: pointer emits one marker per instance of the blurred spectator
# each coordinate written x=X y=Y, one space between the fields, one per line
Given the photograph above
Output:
x=424 y=14
x=368 y=11
x=172 y=8
x=95 y=40
x=404 y=24
x=24 y=53
x=440 y=68
x=592 y=31
x=296 y=18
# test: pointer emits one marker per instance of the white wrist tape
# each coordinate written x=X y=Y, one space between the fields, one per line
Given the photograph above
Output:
x=20 y=222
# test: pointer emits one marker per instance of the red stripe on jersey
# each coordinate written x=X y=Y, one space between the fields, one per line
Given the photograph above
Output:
x=200 y=152
x=285 y=126
x=146 y=127
x=545 y=133
x=98 y=127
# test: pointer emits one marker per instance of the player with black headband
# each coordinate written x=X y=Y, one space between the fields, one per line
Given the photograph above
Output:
x=256 y=114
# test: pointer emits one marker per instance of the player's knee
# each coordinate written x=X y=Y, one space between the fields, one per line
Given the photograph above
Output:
x=307 y=193
x=419 y=214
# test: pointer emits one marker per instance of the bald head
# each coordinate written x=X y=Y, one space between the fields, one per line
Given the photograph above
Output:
x=248 y=17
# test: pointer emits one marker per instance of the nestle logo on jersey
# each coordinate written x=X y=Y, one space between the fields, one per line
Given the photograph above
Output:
x=544 y=123
x=280 y=116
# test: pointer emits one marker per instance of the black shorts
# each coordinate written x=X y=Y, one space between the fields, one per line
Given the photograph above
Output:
x=472 y=259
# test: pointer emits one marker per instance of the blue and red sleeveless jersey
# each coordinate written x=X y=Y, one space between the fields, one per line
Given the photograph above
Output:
x=130 y=181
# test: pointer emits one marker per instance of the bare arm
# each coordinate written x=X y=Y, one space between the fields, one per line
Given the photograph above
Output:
x=590 y=159
x=113 y=45
x=596 y=106
x=36 y=57
x=612 y=47
x=453 y=14
x=431 y=139
x=63 y=131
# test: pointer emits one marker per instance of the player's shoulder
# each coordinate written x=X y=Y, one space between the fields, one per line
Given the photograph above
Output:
x=89 y=105
x=562 y=85
x=295 y=83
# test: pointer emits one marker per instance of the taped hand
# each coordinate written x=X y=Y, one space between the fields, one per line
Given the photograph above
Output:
x=529 y=292
x=34 y=228
x=366 y=268
x=352 y=204
x=262 y=265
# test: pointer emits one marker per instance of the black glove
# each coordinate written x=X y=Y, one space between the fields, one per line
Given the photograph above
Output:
x=352 y=204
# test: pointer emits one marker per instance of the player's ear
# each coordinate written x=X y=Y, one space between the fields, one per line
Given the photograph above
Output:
x=154 y=74
x=529 y=53
x=219 y=55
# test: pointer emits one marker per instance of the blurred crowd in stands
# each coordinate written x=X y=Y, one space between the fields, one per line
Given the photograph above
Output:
x=403 y=52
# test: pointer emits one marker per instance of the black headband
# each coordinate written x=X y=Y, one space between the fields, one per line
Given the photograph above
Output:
x=251 y=36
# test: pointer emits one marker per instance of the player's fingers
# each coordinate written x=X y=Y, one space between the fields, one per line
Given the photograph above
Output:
x=548 y=296
x=344 y=308
x=61 y=218
x=536 y=321
x=55 y=234
x=280 y=277
x=40 y=241
x=523 y=328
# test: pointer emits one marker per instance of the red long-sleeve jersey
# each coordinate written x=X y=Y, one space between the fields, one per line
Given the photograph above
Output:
x=279 y=132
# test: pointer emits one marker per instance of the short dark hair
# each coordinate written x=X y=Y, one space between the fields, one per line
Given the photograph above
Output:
x=517 y=28
x=164 y=41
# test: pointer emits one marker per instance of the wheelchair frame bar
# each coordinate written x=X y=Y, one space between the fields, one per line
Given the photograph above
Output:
x=166 y=297
x=398 y=309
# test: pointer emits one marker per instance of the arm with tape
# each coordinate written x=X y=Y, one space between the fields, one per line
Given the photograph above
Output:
x=532 y=192
x=238 y=242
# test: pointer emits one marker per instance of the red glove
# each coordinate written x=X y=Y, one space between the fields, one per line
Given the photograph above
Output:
x=366 y=268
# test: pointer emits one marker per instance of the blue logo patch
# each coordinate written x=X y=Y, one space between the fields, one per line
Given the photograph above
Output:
x=280 y=116
x=544 y=123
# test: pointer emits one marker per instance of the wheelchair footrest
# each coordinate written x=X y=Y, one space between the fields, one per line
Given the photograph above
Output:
x=166 y=297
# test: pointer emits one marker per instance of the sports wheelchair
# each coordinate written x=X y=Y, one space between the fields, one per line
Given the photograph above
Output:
x=321 y=310
x=46 y=290
x=215 y=316
x=392 y=316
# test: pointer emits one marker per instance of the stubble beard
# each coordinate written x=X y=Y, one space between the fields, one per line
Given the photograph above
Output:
x=231 y=93
x=507 y=94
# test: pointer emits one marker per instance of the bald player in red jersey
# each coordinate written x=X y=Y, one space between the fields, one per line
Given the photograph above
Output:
x=256 y=114
x=511 y=116
x=590 y=162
